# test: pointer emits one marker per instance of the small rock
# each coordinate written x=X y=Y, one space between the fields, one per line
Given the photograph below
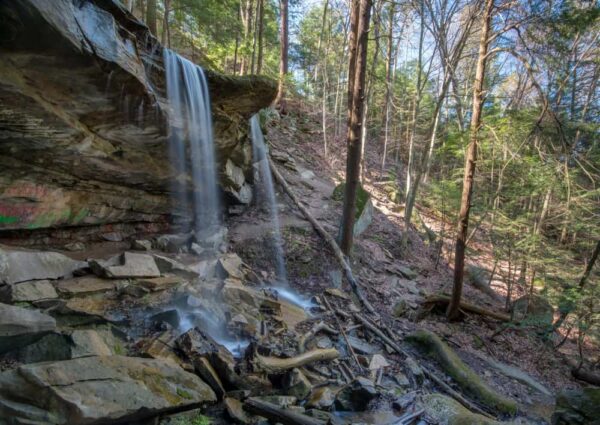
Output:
x=160 y=283
x=324 y=342
x=356 y=396
x=168 y=265
x=321 y=398
x=407 y=272
x=141 y=245
x=170 y=317
x=336 y=278
x=377 y=362
x=112 y=237
x=20 y=326
x=197 y=249
x=335 y=292
x=236 y=412
x=400 y=308
x=361 y=346
x=297 y=384
x=133 y=290
x=230 y=265
x=173 y=243
x=28 y=292
x=74 y=246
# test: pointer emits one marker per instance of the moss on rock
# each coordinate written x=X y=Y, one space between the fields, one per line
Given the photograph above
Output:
x=447 y=411
x=464 y=376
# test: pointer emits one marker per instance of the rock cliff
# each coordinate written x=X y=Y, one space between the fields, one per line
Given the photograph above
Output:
x=83 y=122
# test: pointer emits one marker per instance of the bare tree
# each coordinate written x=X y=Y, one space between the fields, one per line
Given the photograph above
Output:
x=360 y=17
x=283 y=60
x=151 y=16
x=470 y=163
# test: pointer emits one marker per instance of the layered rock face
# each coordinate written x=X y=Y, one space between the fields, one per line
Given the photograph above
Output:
x=83 y=121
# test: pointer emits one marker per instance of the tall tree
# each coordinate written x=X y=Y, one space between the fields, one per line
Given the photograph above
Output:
x=470 y=163
x=283 y=59
x=361 y=13
x=151 y=16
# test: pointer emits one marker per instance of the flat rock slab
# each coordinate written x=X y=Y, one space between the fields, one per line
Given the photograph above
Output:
x=160 y=283
x=126 y=265
x=35 y=290
x=103 y=389
x=22 y=266
x=87 y=285
x=20 y=326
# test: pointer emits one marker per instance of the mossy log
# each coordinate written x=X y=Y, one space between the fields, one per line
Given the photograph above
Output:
x=464 y=376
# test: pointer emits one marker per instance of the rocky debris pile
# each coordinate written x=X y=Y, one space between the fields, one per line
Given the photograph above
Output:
x=143 y=334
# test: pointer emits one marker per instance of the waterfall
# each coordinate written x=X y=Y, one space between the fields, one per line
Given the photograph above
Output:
x=191 y=121
x=260 y=159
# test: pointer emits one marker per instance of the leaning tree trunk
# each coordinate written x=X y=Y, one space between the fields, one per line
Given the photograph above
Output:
x=470 y=163
x=283 y=61
x=356 y=69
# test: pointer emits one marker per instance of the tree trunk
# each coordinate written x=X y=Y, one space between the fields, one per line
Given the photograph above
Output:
x=357 y=70
x=388 y=82
x=166 y=30
x=151 y=16
x=261 y=30
x=470 y=163
x=283 y=61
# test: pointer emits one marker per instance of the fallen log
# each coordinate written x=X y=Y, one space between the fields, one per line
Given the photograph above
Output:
x=326 y=236
x=276 y=414
x=583 y=375
x=276 y=364
x=443 y=300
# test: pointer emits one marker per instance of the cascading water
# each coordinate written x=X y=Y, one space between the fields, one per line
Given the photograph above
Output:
x=259 y=152
x=187 y=91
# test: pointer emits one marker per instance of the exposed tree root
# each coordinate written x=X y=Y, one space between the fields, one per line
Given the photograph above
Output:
x=276 y=364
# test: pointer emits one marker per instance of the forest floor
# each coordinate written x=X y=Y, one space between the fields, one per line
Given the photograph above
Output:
x=296 y=144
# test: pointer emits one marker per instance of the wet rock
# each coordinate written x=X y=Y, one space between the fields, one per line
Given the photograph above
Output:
x=126 y=265
x=22 y=266
x=171 y=317
x=20 y=326
x=86 y=285
x=98 y=389
x=163 y=347
x=296 y=384
x=141 y=245
x=36 y=290
x=356 y=396
x=168 y=265
x=321 y=398
x=211 y=360
x=173 y=243
x=230 y=266
x=160 y=283
x=577 y=407
x=465 y=377
x=447 y=411
x=197 y=249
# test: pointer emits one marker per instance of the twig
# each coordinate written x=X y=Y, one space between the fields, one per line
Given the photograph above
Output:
x=341 y=328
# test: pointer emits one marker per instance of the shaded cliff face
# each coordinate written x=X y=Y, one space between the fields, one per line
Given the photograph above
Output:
x=83 y=119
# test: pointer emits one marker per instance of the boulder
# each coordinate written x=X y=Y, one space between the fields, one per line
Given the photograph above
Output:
x=141 y=245
x=126 y=265
x=364 y=207
x=464 y=376
x=22 y=266
x=447 y=411
x=35 y=290
x=356 y=396
x=534 y=309
x=230 y=265
x=20 y=326
x=104 y=389
x=83 y=97
x=173 y=243
x=577 y=407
